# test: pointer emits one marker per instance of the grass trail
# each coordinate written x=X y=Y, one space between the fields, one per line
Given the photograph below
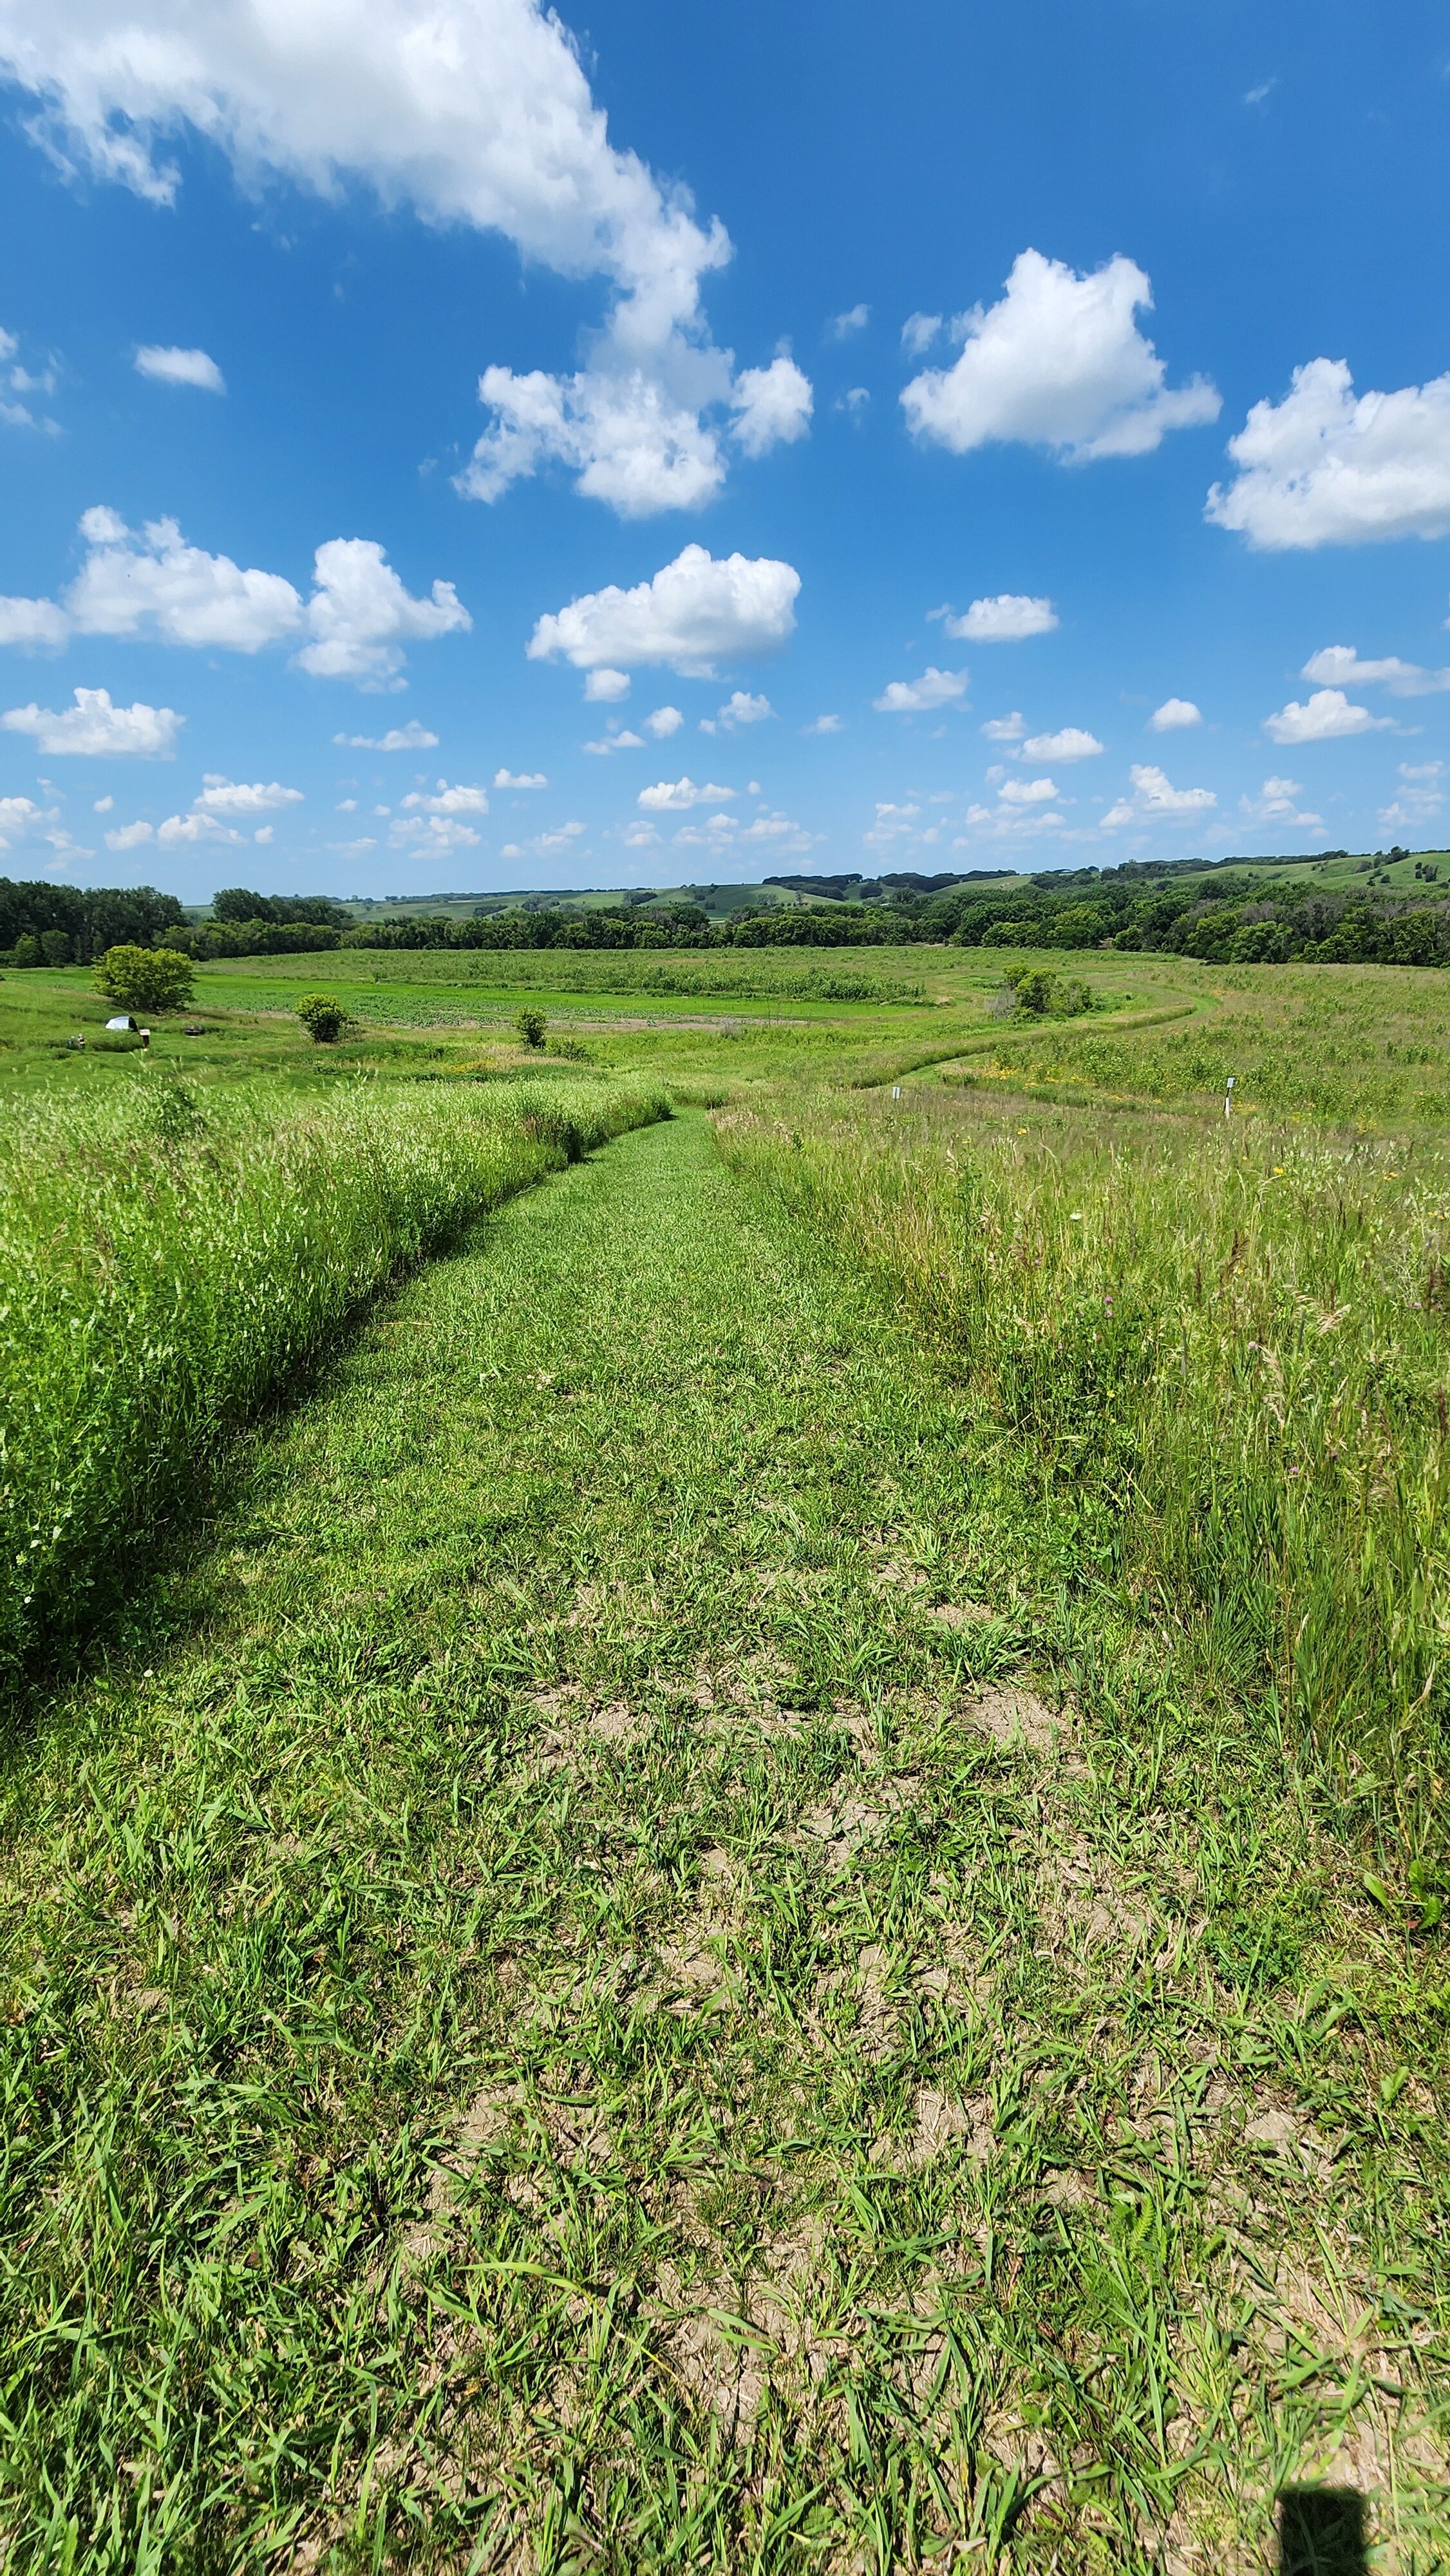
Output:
x=582 y=2015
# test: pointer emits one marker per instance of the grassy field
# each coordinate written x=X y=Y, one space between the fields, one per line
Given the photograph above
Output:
x=759 y=1887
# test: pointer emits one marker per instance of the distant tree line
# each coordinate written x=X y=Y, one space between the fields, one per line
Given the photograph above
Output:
x=57 y=925
x=1244 y=915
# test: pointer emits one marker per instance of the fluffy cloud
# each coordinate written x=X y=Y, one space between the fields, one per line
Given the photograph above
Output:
x=194 y=826
x=679 y=795
x=1174 y=716
x=1006 y=728
x=1323 y=468
x=1004 y=620
x=770 y=406
x=517 y=778
x=664 y=722
x=1340 y=665
x=609 y=742
x=1027 y=791
x=695 y=612
x=1071 y=744
x=547 y=845
x=1421 y=796
x=36 y=625
x=409 y=737
x=20 y=816
x=846 y=324
x=1058 y=362
x=476 y=112
x=229 y=796
x=129 y=836
x=157 y=585
x=438 y=837
x=604 y=688
x=1156 y=799
x=1275 y=805
x=95 y=729
x=452 y=800
x=824 y=724
x=740 y=708
x=1327 y=717
x=181 y=367
x=915 y=697
x=360 y=615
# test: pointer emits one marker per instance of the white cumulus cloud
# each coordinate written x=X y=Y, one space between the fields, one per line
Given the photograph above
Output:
x=1420 y=799
x=847 y=324
x=230 y=796
x=1327 y=716
x=129 y=836
x=155 y=585
x=741 y=708
x=1070 y=744
x=449 y=800
x=1158 y=795
x=1027 y=791
x=1175 y=716
x=664 y=722
x=1327 y=468
x=409 y=737
x=35 y=625
x=604 y=687
x=696 y=612
x=824 y=724
x=1275 y=804
x=95 y=729
x=437 y=837
x=1006 y=728
x=181 y=367
x=770 y=406
x=914 y=697
x=677 y=796
x=474 y=112
x=1340 y=665
x=518 y=778
x=360 y=615
x=1004 y=620
x=1060 y=363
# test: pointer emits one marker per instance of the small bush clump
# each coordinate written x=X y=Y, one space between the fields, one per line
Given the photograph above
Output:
x=323 y=1017
x=531 y=1026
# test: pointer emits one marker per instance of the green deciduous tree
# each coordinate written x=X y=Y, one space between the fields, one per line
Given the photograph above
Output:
x=145 y=979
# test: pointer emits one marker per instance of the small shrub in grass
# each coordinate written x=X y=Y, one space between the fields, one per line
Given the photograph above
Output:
x=1042 y=995
x=531 y=1026
x=323 y=1017
x=145 y=979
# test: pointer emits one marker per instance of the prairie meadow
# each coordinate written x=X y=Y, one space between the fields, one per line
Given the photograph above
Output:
x=724 y=1831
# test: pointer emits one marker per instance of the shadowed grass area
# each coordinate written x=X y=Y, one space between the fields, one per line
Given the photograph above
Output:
x=636 y=1990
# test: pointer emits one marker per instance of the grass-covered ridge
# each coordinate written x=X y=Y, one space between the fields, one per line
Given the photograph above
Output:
x=170 y=1258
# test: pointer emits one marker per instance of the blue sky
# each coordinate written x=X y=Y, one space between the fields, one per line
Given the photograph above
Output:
x=769 y=399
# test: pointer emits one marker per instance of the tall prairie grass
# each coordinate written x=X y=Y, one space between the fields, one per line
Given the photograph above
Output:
x=1226 y=1346
x=165 y=1265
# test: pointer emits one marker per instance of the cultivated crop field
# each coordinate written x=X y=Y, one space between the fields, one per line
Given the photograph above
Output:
x=724 y=1796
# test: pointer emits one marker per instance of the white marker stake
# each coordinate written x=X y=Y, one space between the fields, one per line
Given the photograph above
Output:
x=1228 y=1098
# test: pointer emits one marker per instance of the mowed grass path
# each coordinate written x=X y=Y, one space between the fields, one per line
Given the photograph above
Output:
x=585 y=2014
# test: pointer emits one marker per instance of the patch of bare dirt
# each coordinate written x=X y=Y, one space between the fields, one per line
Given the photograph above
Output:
x=1012 y=1716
